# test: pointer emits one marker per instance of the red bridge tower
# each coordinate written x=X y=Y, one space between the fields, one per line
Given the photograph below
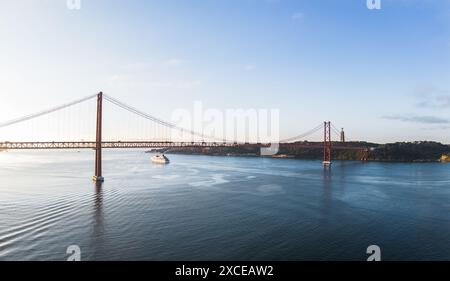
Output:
x=327 y=144
x=98 y=141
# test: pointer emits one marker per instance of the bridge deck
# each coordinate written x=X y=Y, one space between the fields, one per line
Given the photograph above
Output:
x=158 y=144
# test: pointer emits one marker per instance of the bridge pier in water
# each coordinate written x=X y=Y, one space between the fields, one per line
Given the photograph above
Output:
x=98 y=141
x=327 y=144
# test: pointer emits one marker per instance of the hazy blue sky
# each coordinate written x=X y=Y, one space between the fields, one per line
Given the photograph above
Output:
x=384 y=74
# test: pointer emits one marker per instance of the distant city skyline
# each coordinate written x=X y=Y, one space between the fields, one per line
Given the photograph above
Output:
x=383 y=75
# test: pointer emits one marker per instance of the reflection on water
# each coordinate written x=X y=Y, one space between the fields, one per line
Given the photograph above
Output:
x=97 y=224
x=219 y=208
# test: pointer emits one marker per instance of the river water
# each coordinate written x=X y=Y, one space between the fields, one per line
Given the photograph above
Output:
x=220 y=208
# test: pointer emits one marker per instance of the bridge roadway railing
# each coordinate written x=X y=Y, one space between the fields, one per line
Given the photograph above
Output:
x=160 y=144
x=120 y=144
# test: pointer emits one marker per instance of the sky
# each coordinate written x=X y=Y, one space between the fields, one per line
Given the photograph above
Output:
x=382 y=74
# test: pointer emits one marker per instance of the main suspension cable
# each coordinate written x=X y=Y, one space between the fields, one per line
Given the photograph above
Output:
x=45 y=112
x=305 y=134
x=157 y=120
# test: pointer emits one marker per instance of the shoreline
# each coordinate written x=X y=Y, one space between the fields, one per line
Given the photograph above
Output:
x=293 y=157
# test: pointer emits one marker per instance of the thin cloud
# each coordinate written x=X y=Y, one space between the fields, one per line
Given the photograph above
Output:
x=189 y=84
x=174 y=62
x=154 y=83
x=117 y=78
x=435 y=102
x=442 y=127
x=423 y=119
x=177 y=84
x=297 y=16
x=137 y=66
x=432 y=97
x=249 y=67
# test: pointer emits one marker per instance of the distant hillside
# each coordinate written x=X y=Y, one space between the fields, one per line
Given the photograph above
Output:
x=409 y=151
x=423 y=151
x=317 y=153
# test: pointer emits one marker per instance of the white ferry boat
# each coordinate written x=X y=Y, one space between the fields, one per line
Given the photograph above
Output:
x=160 y=159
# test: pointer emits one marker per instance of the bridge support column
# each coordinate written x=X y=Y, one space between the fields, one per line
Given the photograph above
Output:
x=326 y=144
x=98 y=141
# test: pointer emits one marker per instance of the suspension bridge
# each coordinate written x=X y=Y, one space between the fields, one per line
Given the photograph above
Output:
x=159 y=136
